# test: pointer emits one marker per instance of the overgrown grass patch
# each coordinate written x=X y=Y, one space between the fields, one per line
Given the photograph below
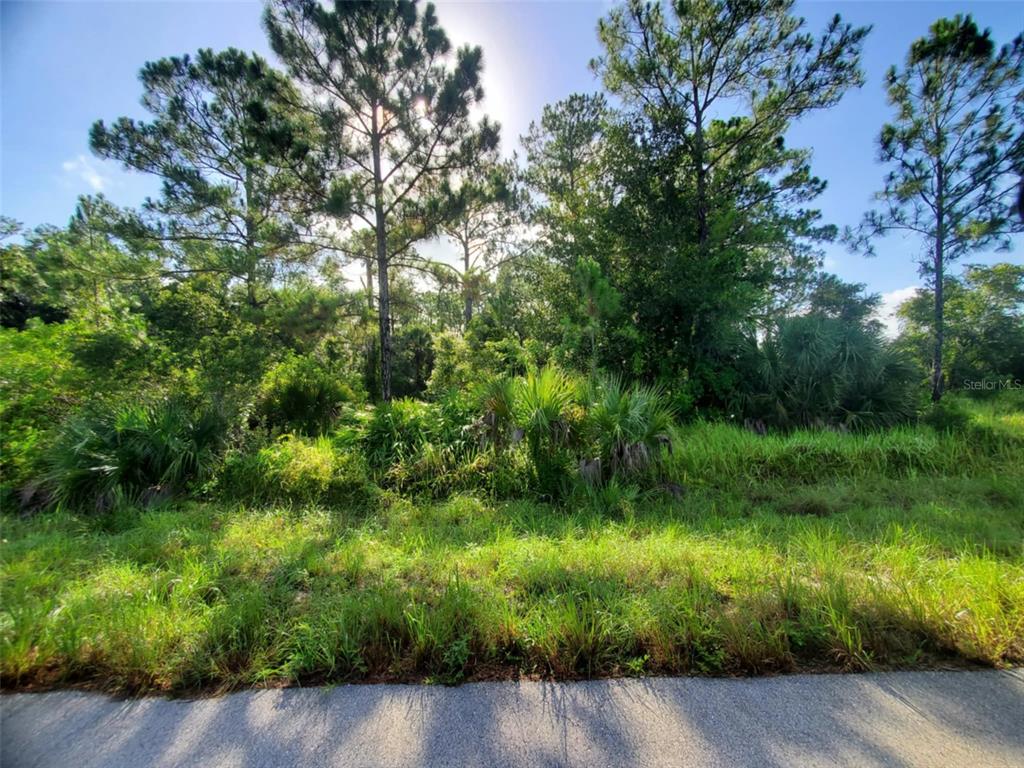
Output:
x=721 y=454
x=873 y=572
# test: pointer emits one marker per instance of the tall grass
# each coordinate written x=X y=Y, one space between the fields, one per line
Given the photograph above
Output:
x=296 y=469
x=723 y=454
x=809 y=550
x=398 y=430
x=877 y=573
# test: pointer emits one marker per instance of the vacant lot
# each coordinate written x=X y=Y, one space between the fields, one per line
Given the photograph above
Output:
x=810 y=551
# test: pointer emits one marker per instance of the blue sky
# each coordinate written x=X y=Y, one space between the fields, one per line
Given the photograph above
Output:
x=65 y=64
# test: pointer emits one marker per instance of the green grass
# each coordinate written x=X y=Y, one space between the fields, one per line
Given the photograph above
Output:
x=869 y=566
x=721 y=454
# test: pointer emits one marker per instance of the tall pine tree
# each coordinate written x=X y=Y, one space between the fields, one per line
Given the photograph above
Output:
x=711 y=209
x=726 y=79
x=399 y=109
x=235 y=160
x=954 y=151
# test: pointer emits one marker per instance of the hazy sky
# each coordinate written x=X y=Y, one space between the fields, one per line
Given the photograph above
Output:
x=65 y=64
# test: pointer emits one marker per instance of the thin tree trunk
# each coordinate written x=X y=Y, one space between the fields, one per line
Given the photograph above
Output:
x=369 y=284
x=384 y=295
x=467 y=312
x=250 y=240
x=702 y=191
x=250 y=285
x=371 y=343
x=1020 y=198
x=939 y=298
x=703 y=234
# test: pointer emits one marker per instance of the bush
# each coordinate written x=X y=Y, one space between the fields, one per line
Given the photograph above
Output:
x=437 y=472
x=302 y=395
x=398 y=431
x=441 y=448
x=115 y=346
x=412 y=361
x=39 y=385
x=630 y=429
x=545 y=410
x=462 y=362
x=814 y=371
x=296 y=469
x=133 y=453
x=604 y=428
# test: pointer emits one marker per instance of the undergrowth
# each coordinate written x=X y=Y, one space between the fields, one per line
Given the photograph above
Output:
x=806 y=551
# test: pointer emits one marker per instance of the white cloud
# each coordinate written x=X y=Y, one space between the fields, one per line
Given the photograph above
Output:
x=83 y=168
x=890 y=303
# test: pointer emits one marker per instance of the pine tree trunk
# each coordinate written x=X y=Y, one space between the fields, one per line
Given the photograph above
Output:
x=593 y=351
x=939 y=298
x=1020 y=198
x=369 y=284
x=250 y=243
x=703 y=234
x=467 y=312
x=702 y=184
x=384 y=295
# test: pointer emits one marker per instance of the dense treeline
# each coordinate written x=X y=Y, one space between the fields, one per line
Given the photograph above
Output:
x=269 y=325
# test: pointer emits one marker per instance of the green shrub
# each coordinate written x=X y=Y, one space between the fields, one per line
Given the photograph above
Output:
x=440 y=448
x=504 y=475
x=302 y=395
x=545 y=409
x=458 y=410
x=452 y=369
x=133 y=453
x=814 y=371
x=398 y=430
x=497 y=401
x=604 y=428
x=461 y=362
x=296 y=469
x=412 y=361
x=39 y=385
x=423 y=447
x=880 y=390
x=630 y=428
x=439 y=472
x=114 y=346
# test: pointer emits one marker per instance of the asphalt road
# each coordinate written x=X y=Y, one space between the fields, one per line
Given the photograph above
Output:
x=898 y=719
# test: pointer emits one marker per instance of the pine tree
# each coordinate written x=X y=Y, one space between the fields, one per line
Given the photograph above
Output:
x=711 y=210
x=235 y=160
x=563 y=156
x=725 y=79
x=482 y=218
x=954 y=150
x=399 y=111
